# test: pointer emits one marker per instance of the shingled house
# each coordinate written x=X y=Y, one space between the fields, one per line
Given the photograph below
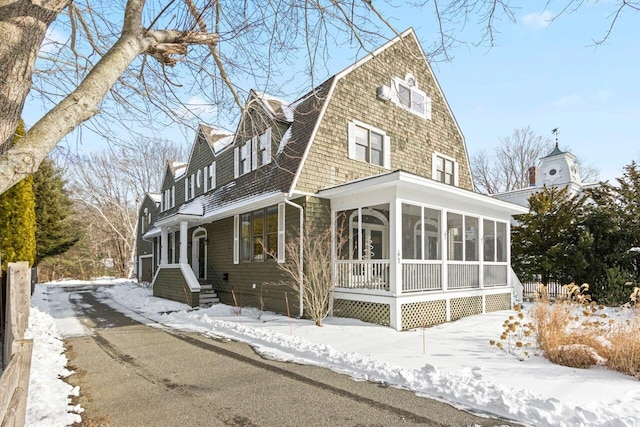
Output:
x=375 y=147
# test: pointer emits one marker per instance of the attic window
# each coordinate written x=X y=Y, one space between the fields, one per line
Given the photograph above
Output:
x=406 y=94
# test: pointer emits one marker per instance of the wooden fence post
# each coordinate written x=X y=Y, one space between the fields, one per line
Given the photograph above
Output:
x=14 y=385
x=18 y=305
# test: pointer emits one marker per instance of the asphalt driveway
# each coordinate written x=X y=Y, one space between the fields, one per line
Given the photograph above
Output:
x=135 y=375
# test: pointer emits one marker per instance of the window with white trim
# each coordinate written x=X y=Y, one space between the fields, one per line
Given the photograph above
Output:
x=406 y=94
x=199 y=178
x=445 y=169
x=168 y=199
x=259 y=235
x=253 y=154
x=369 y=144
x=192 y=187
x=210 y=177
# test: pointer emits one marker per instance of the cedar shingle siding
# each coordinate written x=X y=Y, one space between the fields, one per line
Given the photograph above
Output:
x=413 y=139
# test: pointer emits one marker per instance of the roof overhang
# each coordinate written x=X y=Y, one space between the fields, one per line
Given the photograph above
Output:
x=412 y=187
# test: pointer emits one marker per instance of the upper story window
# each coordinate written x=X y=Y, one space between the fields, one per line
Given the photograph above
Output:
x=168 y=199
x=445 y=169
x=369 y=144
x=262 y=149
x=253 y=154
x=210 y=177
x=407 y=95
x=189 y=187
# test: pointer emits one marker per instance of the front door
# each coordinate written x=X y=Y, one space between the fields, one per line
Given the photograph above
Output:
x=199 y=253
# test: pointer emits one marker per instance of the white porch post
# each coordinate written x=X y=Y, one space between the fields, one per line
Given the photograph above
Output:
x=184 y=225
x=395 y=262
x=481 y=252
x=445 y=253
x=164 y=246
x=395 y=253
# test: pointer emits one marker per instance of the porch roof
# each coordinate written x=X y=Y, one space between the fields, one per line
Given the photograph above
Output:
x=437 y=192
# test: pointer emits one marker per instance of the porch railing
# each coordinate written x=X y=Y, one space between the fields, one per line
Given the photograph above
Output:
x=363 y=274
x=421 y=276
x=495 y=275
x=463 y=276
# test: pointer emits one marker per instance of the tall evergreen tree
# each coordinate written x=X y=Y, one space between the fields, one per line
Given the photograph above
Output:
x=54 y=232
x=18 y=219
x=551 y=240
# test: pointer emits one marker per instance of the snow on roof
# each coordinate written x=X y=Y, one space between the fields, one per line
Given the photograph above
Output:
x=218 y=138
x=156 y=197
x=192 y=208
x=285 y=138
x=179 y=168
x=223 y=143
x=278 y=107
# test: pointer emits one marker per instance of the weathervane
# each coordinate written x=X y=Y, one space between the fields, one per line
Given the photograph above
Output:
x=555 y=132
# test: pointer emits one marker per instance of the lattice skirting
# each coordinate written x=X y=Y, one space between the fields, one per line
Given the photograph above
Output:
x=497 y=302
x=425 y=313
x=463 y=307
x=370 y=312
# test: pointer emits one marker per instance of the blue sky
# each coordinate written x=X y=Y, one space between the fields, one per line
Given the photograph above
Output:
x=550 y=75
x=540 y=74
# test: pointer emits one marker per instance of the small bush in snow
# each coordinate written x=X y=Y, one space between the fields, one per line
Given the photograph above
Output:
x=516 y=335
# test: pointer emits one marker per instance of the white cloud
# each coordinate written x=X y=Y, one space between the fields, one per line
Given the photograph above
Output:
x=568 y=100
x=198 y=107
x=538 y=20
x=53 y=40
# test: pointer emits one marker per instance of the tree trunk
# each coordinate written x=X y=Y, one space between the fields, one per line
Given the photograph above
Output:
x=23 y=25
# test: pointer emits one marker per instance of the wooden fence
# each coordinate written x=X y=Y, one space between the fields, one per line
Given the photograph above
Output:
x=14 y=383
x=531 y=290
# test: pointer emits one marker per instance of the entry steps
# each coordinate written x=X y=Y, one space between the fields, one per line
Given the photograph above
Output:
x=208 y=296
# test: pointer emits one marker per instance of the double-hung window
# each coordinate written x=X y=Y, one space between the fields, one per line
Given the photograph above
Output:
x=369 y=144
x=252 y=154
x=210 y=177
x=445 y=169
x=260 y=234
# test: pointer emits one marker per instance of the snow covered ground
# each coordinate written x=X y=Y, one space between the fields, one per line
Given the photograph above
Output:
x=452 y=362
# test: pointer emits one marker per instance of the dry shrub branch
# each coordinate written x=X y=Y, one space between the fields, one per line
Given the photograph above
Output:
x=576 y=332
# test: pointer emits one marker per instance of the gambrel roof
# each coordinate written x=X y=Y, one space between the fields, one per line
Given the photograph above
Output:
x=301 y=119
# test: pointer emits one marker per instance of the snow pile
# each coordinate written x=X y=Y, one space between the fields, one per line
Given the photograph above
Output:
x=49 y=402
x=452 y=362
x=459 y=367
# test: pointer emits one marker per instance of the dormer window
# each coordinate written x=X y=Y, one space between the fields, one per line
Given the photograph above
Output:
x=406 y=94
x=253 y=154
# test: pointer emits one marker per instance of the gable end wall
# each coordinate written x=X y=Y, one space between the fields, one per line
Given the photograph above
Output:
x=413 y=139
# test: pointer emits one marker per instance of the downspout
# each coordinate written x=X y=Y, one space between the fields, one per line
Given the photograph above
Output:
x=301 y=260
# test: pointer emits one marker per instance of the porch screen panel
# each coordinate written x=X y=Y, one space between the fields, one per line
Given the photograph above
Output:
x=489 y=240
x=455 y=237
x=411 y=231
x=501 y=242
x=471 y=238
x=432 y=234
